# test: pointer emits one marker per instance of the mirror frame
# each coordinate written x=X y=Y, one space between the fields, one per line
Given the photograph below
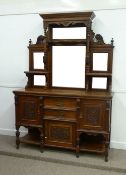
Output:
x=100 y=69
x=64 y=42
x=34 y=49
x=94 y=44
x=101 y=49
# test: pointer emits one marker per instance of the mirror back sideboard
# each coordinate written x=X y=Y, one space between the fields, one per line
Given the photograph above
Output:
x=67 y=100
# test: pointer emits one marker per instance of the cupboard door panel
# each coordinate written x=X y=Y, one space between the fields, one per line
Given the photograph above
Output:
x=59 y=133
x=92 y=115
x=28 y=110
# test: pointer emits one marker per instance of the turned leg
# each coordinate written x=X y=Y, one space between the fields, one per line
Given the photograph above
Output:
x=17 y=137
x=77 y=147
x=41 y=141
x=106 y=151
x=107 y=139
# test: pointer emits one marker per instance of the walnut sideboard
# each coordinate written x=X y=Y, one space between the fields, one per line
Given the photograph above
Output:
x=71 y=119
x=66 y=102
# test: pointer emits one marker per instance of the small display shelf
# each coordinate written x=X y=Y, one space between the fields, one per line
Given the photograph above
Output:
x=67 y=42
x=99 y=74
x=92 y=143
x=30 y=139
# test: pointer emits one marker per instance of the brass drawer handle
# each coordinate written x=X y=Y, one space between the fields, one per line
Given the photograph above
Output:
x=81 y=116
x=60 y=104
x=61 y=114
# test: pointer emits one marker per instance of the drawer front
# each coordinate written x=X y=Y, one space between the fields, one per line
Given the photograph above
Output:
x=60 y=114
x=60 y=102
x=93 y=115
x=60 y=134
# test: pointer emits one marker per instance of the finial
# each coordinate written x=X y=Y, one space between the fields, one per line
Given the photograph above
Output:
x=112 y=41
x=30 y=42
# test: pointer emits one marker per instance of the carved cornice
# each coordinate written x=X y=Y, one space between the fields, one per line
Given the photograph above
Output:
x=65 y=23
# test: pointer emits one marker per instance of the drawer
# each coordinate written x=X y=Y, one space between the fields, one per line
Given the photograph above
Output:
x=60 y=102
x=60 y=114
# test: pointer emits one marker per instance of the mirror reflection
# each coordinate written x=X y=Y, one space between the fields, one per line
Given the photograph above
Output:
x=39 y=80
x=99 y=83
x=69 y=33
x=38 y=60
x=100 y=61
x=68 y=67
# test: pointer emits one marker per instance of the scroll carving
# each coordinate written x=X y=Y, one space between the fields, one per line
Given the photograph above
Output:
x=66 y=23
x=40 y=39
x=99 y=39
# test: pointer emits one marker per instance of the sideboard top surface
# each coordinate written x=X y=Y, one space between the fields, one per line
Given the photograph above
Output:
x=64 y=92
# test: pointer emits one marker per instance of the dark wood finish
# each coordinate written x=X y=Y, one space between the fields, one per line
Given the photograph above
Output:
x=65 y=115
x=71 y=118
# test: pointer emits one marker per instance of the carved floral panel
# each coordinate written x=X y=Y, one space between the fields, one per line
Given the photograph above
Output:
x=60 y=133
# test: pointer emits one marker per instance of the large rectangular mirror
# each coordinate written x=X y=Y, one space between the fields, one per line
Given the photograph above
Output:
x=69 y=33
x=68 y=67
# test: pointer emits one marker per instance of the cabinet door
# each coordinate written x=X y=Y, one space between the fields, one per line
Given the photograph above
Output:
x=28 y=110
x=93 y=115
x=61 y=134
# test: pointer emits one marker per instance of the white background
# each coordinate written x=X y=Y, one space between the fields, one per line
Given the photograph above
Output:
x=19 y=21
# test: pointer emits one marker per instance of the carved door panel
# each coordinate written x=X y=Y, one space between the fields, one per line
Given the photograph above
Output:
x=60 y=134
x=29 y=110
x=93 y=113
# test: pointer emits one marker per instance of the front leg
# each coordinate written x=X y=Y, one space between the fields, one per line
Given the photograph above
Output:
x=17 y=136
x=41 y=140
x=106 y=151
x=77 y=147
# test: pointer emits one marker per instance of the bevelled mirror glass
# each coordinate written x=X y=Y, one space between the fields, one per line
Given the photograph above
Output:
x=39 y=80
x=100 y=61
x=69 y=33
x=38 y=60
x=99 y=83
x=68 y=66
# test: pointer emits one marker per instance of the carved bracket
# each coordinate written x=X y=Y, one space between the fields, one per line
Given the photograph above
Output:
x=99 y=39
x=40 y=39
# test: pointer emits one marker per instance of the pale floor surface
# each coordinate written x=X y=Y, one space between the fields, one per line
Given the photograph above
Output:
x=20 y=166
x=52 y=159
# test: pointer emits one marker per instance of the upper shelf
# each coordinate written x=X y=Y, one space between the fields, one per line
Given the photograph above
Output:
x=99 y=74
x=42 y=72
x=67 y=41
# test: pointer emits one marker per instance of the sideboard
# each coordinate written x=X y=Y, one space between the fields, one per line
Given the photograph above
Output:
x=58 y=110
